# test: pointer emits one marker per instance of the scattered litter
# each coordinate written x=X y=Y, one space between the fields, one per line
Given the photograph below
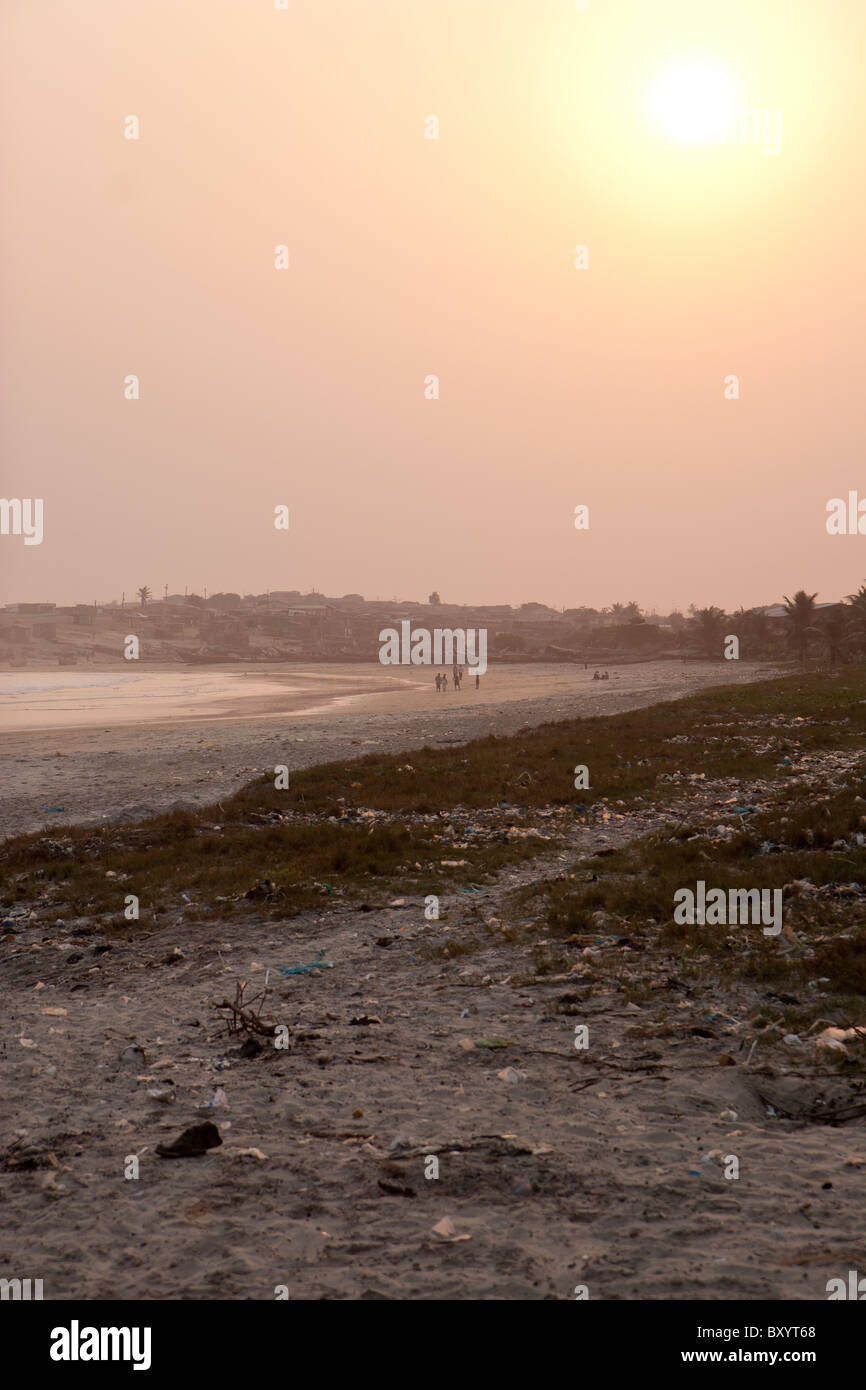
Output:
x=834 y=1039
x=266 y=889
x=446 y=1230
x=364 y=1019
x=512 y=1075
x=133 y=1056
x=842 y=1035
x=164 y=1094
x=317 y=964
x=218 y=1100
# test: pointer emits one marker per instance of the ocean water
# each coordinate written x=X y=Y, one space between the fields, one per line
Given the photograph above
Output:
x=54 y=699
x=38 y=683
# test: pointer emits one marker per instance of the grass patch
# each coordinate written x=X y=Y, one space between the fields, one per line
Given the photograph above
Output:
x=312 y=844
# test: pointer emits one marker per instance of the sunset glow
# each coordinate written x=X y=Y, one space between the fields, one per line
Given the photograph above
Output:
x=692 y=101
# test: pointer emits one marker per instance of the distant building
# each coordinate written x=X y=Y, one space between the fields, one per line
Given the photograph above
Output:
x=778 y=610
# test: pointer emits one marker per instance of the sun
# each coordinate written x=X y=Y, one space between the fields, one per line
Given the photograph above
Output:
x=692 y=100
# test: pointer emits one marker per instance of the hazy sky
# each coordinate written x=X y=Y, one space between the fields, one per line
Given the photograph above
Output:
x=454 y=256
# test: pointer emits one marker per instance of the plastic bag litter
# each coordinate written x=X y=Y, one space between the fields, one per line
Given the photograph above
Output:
x=834 y=1039
x=219 y=1100
x=317 y=964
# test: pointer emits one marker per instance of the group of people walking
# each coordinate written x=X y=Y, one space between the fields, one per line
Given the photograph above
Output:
x=457 y=675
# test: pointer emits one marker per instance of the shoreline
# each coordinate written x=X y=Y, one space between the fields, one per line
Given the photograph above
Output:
x=136 y=700
x=99 y=774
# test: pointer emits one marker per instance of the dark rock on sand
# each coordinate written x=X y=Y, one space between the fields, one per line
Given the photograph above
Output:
x=192 y=1143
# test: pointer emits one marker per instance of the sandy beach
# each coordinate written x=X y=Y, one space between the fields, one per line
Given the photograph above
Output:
x=431 y=1130
x=556 y=1170
x=128 y=747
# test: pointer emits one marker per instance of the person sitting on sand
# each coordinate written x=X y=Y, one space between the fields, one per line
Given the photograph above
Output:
x=596 y=676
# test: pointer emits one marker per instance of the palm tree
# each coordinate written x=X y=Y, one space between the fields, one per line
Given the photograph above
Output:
x=836 y=629
x=143 y=594
x=856 y=625
x=801 y=614
x=858 y=603
x=709 y=624
x=752 y=628
x=632 y=612
x=617 y=612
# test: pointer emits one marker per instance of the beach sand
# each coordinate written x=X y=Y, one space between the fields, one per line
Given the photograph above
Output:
x=602 y=1169
x=557 y=1169
x=190 y=738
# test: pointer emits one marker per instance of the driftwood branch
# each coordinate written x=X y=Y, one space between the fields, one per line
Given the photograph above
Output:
x=243 y=1015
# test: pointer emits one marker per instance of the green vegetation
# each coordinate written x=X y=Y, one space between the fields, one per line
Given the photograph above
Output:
x=435 y=821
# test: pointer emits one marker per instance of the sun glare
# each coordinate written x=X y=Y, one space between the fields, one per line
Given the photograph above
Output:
x=691 y=102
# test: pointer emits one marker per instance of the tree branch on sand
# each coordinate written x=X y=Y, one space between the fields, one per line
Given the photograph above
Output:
x=244 y=1015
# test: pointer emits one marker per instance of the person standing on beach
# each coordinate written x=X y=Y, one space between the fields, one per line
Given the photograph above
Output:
x=477 y=681
x=438 y=682
x=445 y=680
